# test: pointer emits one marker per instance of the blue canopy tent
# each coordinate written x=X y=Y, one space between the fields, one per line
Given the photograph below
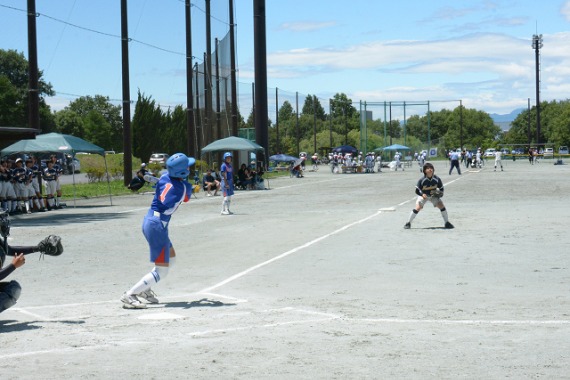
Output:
x=282 y=158
x=392 y=147
x=344 y=149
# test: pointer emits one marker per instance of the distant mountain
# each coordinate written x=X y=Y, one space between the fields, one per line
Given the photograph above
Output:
x=507 y=117
x=504 y=121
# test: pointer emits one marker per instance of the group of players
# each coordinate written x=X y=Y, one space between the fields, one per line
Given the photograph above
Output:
x=20 y=185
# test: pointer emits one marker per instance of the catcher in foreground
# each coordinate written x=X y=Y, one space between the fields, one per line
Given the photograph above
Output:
x=429 y=188
x=10 y=291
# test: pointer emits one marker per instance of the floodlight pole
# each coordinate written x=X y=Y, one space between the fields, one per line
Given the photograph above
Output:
x=537 y=45
x=461 y=124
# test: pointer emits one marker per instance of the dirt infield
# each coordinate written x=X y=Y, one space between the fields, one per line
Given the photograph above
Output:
x=313 y=279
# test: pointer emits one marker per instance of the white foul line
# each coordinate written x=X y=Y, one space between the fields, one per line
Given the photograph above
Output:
x=249 y=270
x=296 y=249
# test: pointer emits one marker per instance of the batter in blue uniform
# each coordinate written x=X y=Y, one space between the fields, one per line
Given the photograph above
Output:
x=227 y=173
x=171 y=190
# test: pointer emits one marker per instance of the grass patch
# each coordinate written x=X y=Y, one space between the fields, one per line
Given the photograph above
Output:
x=94 y=189
x=94 y=166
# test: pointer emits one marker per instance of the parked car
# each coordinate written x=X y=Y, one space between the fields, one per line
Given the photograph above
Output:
x=548 y=153
x=489 y=152
x=158 y=158
x=563 y=150
x=76 y=165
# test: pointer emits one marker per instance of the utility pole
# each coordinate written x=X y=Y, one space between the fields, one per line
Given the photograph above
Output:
x=33 y=76
x=191 y=142
x=537 y=45
x=127 y=141
x=260 y=64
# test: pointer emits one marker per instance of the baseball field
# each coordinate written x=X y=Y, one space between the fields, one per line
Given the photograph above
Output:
x=315 y=278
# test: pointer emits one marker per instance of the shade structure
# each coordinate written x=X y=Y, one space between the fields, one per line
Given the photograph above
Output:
x=69 y=143
x=344 y=149
x=25 y=146
x=282 y=158
x=232 y=143
x=53 y=142
x=57 y=142
x=392 y=147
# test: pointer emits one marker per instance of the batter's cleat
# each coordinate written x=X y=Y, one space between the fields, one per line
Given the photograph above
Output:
x=449 y=225
x=132 y=302
x=407 y=226
x=149 y=296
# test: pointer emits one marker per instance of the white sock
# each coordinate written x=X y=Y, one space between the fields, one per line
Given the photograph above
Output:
x=444 y=215
x=145 y=283
x=412 y=216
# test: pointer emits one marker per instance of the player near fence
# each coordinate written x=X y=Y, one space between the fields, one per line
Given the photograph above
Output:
x=429 y=189
x=171 y=190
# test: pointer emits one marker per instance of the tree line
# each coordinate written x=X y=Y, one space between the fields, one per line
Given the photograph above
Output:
x=96 y=119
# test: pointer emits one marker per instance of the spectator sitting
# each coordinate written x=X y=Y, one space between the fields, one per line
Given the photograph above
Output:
x=211 y=183
x=244 y=177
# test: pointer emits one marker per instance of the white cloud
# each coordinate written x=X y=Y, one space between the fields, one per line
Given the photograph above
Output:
x=307 y=26
x=488 y=70
x=565 y=10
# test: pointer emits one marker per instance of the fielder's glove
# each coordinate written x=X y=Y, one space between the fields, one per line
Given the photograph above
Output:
x=51 y=246
x=437 y=193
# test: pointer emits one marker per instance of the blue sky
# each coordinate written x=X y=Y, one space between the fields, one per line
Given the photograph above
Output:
x=374 y=51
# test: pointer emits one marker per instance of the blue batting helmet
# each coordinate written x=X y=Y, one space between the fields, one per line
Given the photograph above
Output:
x=178 y=165
x=227 y=154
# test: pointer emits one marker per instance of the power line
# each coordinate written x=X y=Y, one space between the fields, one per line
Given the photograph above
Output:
x=99 y=32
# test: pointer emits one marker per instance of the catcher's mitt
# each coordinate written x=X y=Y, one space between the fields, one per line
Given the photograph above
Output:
x=436 y=193
x=51 y=246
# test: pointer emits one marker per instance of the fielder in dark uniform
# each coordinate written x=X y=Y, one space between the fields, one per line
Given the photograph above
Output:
x=429 y=188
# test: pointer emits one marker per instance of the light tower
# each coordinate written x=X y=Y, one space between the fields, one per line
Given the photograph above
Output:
x=537 y=45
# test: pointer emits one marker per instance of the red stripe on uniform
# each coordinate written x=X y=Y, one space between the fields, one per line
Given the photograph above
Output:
x=165 y=191
x=160 y=258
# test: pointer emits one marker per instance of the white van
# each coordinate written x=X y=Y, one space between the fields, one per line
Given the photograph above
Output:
x=548 y=153
x=489 y=152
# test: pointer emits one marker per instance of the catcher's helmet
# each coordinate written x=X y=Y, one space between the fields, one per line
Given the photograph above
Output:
x=227 y=154
x=427 y=165
x=178 y=165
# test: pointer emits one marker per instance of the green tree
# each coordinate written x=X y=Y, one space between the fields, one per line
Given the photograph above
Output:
x=70 y=123
x=554 y=125
x=147 y=128
x=105 y=131
x=312 y=106
x=14 y=103
x=286 y=112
